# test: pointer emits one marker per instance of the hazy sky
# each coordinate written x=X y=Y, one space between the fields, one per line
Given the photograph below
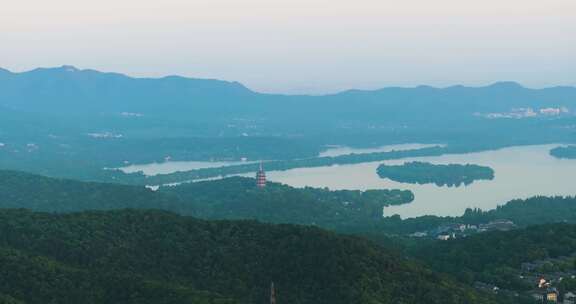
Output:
x=300 y=45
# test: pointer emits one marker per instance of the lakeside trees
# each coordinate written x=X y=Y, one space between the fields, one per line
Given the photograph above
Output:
x=59 y=248
x=496 y=257
x=238 y=198
x=357 y=212
x=231 y=198
x=283 y=165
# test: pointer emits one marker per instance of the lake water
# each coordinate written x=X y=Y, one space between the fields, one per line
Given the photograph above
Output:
x=520 y=172
x=176 y=166
x=337 y=151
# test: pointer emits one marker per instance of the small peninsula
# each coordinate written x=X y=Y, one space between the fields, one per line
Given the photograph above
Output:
x=567 y=152
x=442 y=175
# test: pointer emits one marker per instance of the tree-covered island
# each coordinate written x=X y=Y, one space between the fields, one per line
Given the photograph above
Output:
x=441 y=175
x=567 y=152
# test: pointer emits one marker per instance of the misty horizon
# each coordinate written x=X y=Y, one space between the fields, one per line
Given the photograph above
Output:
x=301 y=46
x=295 y=91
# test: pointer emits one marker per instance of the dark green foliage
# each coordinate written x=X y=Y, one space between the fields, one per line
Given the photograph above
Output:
x=496 y=257
x=532 y=211
x=5 y=299
x=22 y=190
x=145 y=254
x=231 y=198
x=567 y=284
x=441 y=175
x=239 y=198
x=34 y=278
x=157 y=257
x=537 y=210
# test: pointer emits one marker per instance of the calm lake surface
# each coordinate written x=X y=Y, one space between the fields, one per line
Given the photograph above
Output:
x=337 y=151
x=176 y=166
x=520 y=172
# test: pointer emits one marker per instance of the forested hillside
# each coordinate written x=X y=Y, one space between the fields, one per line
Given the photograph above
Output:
x=23 y=190
x=532 y=211
x=140 y=256
x=496 y=257
x=239 y=198
x=158 y=257
x=231 y=198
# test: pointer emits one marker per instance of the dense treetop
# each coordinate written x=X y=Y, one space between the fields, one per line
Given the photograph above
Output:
x=158 y=257
x=496 y=257
x=139 y=256
x=23 y=190
x=239 y=198
x=231 y=198
x=441 y=175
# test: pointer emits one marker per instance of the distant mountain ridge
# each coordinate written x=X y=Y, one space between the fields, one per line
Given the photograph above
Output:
x=106 y=119
x=73 y=69
x=178 y=103
x=68 y=88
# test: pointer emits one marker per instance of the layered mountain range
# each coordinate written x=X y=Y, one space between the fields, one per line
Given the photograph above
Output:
x=56 y=120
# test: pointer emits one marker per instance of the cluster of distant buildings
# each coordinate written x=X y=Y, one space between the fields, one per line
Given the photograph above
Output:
x=545 y=293
x=105 y=135
x=519 y=113
x=459 y=230
x=545 y=277
x=548 y=276
x=29 y=147
x=131 y=114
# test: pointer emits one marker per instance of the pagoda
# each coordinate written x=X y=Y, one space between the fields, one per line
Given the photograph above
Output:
x=261 y=177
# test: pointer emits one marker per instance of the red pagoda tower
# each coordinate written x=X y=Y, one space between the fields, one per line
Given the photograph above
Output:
x=261 y=177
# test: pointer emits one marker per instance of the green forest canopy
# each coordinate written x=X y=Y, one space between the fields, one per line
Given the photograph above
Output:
x=136 y=256
x=441 y=175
